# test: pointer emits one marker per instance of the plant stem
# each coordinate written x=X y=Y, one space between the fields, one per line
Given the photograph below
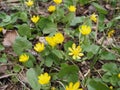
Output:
x=79 y=38
x=96 y=57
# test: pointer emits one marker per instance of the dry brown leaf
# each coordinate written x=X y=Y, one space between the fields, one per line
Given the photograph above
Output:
x=3 y=69
x=42 y=40
x=3 y=87
x=106 y=42
x=9 y=38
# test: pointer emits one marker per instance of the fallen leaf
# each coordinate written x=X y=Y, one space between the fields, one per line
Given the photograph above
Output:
x=3 y=69
x=9 y=38
x=3 y=87
x=106 y=42
x=42 y=40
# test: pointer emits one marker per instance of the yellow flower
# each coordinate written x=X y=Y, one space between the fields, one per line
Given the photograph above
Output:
x=75 y=51
x=73 y=86
x=85 y=30
x=39 y=47
x=29 y=3
x=44 y=78
x=93 y=17
x=59 y=38
x=23 y=58
x=1 y=28
x=57 y=1
x=51 y=8
x=111 y=87
x=119 y=75
x=111 y=33
x=72 y=8
x=51 y=41
x=35 y=19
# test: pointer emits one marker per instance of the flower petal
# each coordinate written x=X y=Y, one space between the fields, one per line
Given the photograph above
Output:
x=76 y=85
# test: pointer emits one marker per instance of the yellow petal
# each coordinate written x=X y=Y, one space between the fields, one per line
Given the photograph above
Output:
x=70 y=49
x=76 y=85
x=81 y=54
x=73 y=46
x=74 y=57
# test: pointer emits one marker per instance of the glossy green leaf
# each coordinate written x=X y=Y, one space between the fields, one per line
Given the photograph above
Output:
x=47 y=26
x=23 y=16
x=16 y=68
x=69 y=73
x=67 y=45
x=109 y=67
x=83 y=1
x=58 y=53
x=3 y=59
x=77 y=20
x=24 y=30
x=99 y=8
x=48 y=61
x=107 y=56
x=97 y=85
x=1 y=47
x=7 y=18
x=31 y=61
x=21 y=44
x=33 y=79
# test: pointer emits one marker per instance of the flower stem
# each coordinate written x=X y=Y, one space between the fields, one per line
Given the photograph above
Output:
x=96 y=56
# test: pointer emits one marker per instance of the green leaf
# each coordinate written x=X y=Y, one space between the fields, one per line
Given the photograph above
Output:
x=101 y=22
x=68 y=18
x=23 y=16
x=48 y=61
x=118 y=88
x=32 y=79
x=99 y=8
x=91 y=48
x=117 y=18
x=21 y=44
x=2 y=15
x=7 y=18
x=3 y=59
x=83 y=2
x=77 y=20
x=89 y=55
x=109 y=67
x=31 y=61
x=58 y=53
x=1 y=47
x=50 y=28
x=24 y=30
x=97 y=85
x=67 y=45
x=47 y=26
x=16 y=68
x=59 y=14
x=68 y=2
x=114 y=80
x=69 y=73
x=106 y=77
x=107 y=56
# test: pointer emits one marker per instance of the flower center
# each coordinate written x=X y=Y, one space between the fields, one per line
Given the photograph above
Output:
x=76 y=52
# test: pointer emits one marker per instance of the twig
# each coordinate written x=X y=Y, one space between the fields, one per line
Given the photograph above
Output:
x=87 y=73
x=8 y=75
x=61 y=84
x=80 y=73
